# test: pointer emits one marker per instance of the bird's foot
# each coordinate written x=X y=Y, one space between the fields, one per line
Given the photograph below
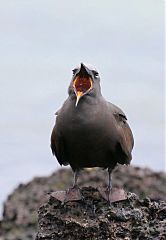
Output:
x=105 y=193
x=113 y=195
x=73 y=194
x=59 y=195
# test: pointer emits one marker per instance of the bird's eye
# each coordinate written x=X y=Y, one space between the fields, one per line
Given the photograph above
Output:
x=96 y=74
x=74 y=71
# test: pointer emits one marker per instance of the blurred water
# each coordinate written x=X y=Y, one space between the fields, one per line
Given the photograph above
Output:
x=40 y=42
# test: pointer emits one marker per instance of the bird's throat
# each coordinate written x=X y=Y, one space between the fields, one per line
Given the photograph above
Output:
x=81 y=86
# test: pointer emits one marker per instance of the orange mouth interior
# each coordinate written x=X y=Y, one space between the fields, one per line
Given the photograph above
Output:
x=82 y=84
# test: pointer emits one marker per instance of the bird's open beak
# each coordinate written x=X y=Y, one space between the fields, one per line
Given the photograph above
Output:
x=82 y=82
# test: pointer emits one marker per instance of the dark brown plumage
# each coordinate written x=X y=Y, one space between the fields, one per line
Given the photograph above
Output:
x=89 y=131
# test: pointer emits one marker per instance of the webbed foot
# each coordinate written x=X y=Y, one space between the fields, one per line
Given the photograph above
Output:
x=73 y=194
x=113 y=195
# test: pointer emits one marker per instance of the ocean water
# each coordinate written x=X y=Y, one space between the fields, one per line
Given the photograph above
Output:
x=41 y=42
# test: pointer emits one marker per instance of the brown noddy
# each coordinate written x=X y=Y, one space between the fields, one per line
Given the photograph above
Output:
x=89 y=131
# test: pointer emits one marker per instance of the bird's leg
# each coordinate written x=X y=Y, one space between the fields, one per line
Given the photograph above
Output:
x=75 y=178
x=109 y=188
x=106 y=192
x=114 y=194
x=73 y=193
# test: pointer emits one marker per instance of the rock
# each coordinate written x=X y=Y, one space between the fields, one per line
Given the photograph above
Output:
x=20 y=209
x=93 y=218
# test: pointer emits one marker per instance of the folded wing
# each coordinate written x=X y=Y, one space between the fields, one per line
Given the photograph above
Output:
x=126 y=140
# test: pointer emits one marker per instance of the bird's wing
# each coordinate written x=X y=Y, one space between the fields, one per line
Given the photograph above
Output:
x=126 y=140
x=57 y=146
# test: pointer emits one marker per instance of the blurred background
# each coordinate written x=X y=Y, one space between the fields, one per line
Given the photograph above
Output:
x=40 y=43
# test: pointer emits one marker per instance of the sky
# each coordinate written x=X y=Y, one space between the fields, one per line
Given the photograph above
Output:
x=41 y=42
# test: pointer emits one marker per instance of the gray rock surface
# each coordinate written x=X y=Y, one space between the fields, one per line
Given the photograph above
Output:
x=93 y=218
x=20 y=209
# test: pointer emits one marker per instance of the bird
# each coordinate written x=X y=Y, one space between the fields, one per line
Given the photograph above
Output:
x=90 y=131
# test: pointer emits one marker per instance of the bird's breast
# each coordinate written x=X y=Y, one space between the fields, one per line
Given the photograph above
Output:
x=88 y=134
x=87 y=126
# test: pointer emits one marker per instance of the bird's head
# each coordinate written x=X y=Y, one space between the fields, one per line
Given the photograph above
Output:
x=85 y=81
